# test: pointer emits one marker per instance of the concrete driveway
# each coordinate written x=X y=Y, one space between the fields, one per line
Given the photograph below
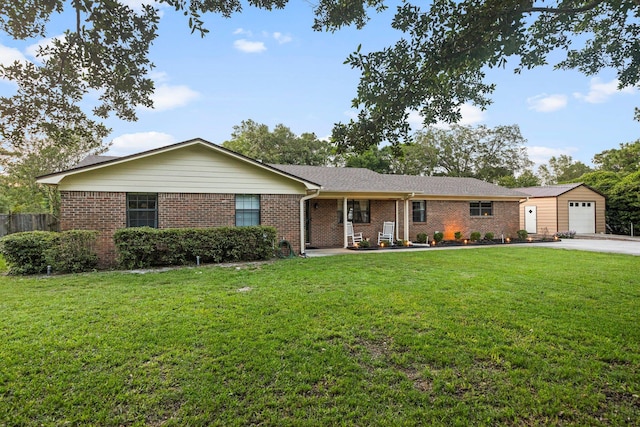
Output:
x=629 y=246
x=594 y=243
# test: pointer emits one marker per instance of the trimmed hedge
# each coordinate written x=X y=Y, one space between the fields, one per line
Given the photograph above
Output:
x=73 y=251
x=142 y=247
x=30 y=252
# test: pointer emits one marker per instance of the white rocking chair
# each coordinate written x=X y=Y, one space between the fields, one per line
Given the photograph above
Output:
x=355 y=237
x=387 y=233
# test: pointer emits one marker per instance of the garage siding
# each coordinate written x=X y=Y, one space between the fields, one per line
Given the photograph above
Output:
x=546 y=214
x=581 y=194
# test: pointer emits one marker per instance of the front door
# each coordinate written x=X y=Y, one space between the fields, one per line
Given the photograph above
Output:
x=531 y=219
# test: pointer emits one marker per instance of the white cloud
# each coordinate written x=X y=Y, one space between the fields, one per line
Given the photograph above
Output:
x=544 y=103
x=132 y=143
x=243 y=32
x=415 y=120
x=167 y=97
x=158 y=76
x=247 y=46
x=9 y=55
x=600 y=92
x=282 y=38
x=471 y=115
x=541 y=155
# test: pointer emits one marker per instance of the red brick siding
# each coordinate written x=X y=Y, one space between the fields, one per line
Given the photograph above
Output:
x=106 y=212
x=445 y=216
x=282 y=211
x=327 y=232
x=101 y=211
x=180 y=210
x=451 y=216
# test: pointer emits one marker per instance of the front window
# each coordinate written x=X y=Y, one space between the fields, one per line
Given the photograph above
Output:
x=419 y=211
x=357 y=211
x=142 y=210
x=481 y=208
x=247 y=209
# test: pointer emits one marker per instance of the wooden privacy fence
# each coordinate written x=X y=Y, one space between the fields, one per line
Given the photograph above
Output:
x=14 y=223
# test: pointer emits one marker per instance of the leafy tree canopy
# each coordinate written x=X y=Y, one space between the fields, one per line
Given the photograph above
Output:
x=624 y=159
x=437 y=65
x=525 y=179
x=280 y=146
x=440 y=61
x=377 y=160
x=562 y=169
x=35 y=157
x=478 y=152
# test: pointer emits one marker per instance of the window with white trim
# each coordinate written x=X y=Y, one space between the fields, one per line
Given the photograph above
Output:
x=419 y=210
x=358 y=211
x=247 y=209
x=142 y=210
x=481 y=208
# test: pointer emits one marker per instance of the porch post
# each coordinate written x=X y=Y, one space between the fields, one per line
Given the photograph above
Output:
x=344 y=222
x=406 y=219
x=397 y=222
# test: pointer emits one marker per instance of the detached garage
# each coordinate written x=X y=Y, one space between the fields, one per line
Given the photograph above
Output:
x=565 y=207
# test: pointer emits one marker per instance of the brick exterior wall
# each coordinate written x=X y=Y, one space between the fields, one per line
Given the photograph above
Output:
x=100 y=211
x=106 y=212
x=445 y=216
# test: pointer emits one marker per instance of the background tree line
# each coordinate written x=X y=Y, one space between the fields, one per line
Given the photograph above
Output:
x=496 y=155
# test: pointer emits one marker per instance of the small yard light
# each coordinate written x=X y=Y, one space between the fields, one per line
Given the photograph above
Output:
x=508 y=239
x=465 y=241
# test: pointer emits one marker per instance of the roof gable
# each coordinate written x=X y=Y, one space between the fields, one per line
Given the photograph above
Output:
x=550 y=190
x=102 y=166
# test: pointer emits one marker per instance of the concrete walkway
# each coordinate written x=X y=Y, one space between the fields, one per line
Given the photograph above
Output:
x=591 y=242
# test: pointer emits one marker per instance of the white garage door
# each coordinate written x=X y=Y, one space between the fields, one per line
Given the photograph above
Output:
x=582 y=217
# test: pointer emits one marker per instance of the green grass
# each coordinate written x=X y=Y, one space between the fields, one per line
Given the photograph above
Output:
x=527 y=336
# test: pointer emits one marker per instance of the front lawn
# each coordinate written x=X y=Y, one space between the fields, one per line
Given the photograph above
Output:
x=526 y=336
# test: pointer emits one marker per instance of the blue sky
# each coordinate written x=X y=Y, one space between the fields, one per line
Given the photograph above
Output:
x=272 y=68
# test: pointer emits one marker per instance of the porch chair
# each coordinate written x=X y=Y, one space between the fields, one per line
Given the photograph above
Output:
x=355 y=237
x=387 y=232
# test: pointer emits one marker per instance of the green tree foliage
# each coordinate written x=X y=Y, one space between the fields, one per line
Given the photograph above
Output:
x=37 y=157
x=624 y=201
x=280 y=146
x=624 y=159
x=479 y=152
x=600 y=180
x=419 y=157
x=378 y=160
x=562 y=169
x=525 y=179
x=437 y=65
x=439 y=62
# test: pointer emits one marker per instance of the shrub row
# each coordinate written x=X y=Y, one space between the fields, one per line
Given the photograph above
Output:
x=30 y=252
x=143 y=247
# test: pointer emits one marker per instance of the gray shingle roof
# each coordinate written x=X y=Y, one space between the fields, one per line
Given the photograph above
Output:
x=548 y=190
x=364 y=180
x=360 y=180
x=93 y=160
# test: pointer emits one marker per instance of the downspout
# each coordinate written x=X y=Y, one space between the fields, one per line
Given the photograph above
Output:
x=302 y=227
